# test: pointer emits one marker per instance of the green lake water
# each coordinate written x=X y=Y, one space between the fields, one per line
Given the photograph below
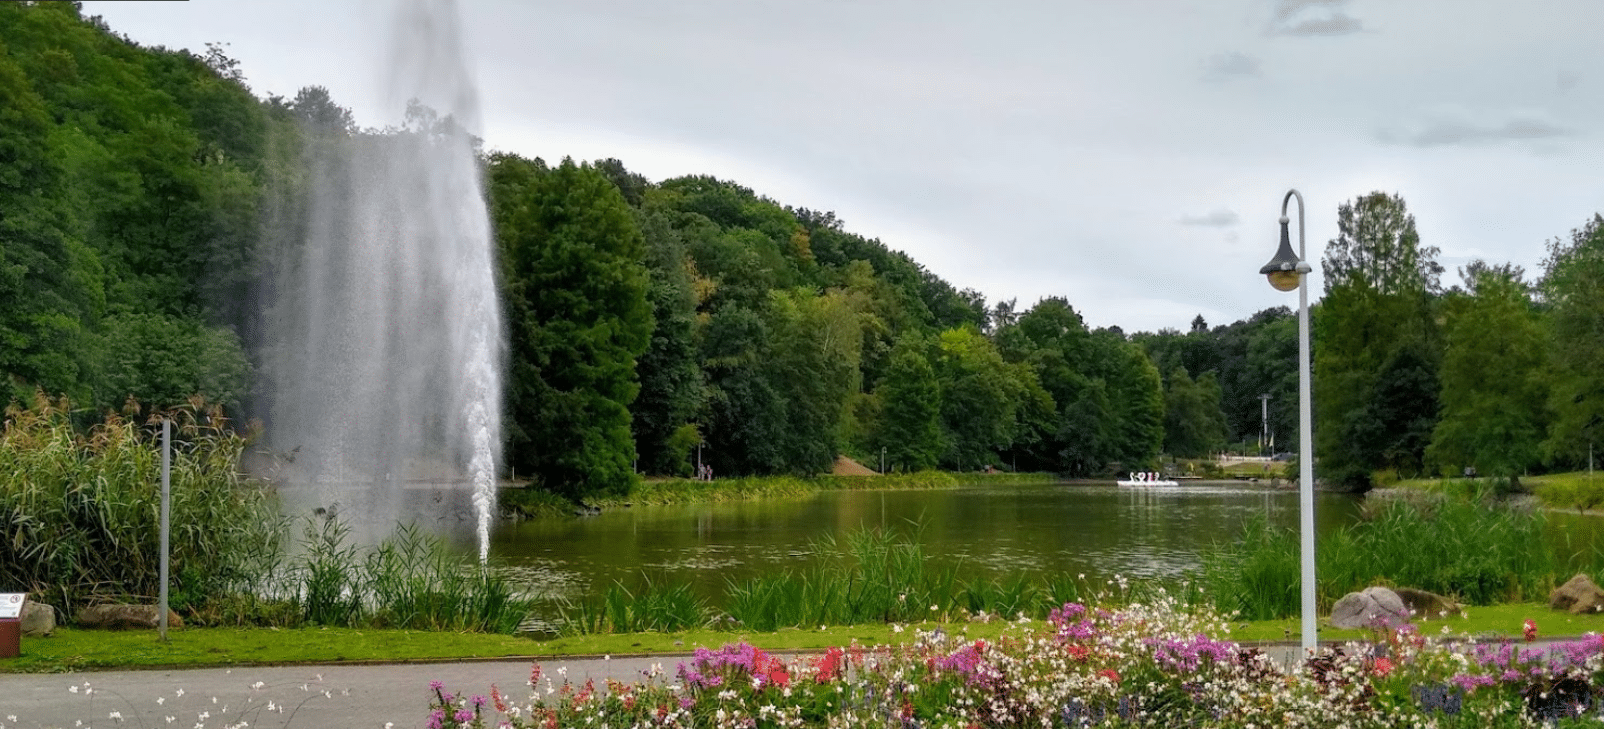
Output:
x=1098 y=529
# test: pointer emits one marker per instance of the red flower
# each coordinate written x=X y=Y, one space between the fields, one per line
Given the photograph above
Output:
x=1078 y=652
x=1529 y=629
x=830 y=665
x=1381 y=667
x=1109 y=674
x=495 y=696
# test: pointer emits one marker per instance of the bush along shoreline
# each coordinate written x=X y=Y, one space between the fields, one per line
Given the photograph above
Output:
x=1159 y=663
x=525 y=501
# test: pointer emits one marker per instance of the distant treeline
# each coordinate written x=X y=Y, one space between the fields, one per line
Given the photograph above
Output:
x=146 y=196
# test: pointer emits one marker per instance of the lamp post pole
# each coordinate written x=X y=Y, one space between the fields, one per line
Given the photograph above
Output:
x=1285 y=271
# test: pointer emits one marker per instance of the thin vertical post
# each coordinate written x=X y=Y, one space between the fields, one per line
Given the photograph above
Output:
x=1306 y=434
x=167 y=503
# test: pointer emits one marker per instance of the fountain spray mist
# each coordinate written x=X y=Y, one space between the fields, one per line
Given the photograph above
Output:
x=385 y=332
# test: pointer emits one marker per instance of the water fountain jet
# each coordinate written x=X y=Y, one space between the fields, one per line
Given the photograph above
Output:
x=385 y=350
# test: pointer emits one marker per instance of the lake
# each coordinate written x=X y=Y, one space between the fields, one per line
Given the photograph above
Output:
x=1098 y=529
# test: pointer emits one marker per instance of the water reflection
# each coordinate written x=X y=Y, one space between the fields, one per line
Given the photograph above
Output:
x=1050 y=528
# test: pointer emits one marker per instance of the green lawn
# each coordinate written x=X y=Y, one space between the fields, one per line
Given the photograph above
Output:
x=71 y=649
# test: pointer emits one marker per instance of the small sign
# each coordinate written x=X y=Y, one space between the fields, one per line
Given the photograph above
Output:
x=11 y=604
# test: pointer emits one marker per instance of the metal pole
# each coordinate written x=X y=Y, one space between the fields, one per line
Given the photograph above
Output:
x=1264 y=422
x=1305 y=432
x=167 y=503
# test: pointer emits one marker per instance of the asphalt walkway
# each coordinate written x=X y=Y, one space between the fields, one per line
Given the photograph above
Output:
x=356 y=696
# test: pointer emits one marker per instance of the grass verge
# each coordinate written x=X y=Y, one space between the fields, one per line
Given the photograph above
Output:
x=80 y=650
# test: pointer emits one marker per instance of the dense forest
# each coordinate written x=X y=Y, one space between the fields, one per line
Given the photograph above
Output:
x=146 y=192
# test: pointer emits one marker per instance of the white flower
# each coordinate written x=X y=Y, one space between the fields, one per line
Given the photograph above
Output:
x=118 y=715
x=161 y=700
x=179 y=692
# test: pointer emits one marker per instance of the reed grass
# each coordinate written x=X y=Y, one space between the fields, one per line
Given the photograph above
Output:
x=81 y=511
x=684 y=490
x=871 y=575
x=81 y=524
x=1475 y=549
x=649 y=608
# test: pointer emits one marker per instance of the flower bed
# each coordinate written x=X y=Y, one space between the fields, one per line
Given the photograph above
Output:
x=1142 y=665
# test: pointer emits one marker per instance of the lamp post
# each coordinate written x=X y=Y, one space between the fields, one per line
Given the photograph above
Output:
x=1288 y=271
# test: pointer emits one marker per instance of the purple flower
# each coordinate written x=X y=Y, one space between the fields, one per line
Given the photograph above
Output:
x=437 y=718
x=479 y=700
x=464 y=716
x=1470 y=682
x=436 y=685
x=1187 y=654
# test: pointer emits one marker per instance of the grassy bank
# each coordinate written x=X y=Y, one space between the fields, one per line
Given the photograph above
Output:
x=527 y=502
x=76 y=650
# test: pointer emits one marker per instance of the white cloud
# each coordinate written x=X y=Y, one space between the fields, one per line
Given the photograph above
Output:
x=1458 y=128
x=1313 y=17
x=1221 y=218
x=1233 y=65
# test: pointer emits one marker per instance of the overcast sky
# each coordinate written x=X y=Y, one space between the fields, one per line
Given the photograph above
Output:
x=1130 y=156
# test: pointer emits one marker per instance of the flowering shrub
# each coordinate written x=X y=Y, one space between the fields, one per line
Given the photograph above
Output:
x=1145 y=665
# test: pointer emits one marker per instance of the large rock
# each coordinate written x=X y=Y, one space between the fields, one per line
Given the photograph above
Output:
x=125 y=617
x=1427 y=605
x=1374 y=607
x=38 y=619
x=1577 y=596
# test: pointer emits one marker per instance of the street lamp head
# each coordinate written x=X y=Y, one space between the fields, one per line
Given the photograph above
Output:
x=1283 y=270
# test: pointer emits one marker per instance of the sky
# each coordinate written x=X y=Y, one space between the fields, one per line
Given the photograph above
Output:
x=1130 y=156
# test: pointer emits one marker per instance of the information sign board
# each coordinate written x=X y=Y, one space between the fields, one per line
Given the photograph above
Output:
x=11 y=604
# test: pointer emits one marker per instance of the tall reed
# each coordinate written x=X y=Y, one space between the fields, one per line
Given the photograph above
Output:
x=1478 y=550
x=81 y=523
x=81 y=511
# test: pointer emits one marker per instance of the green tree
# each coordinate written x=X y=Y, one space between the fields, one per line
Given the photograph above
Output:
x=1570 y=288
x=911 y=405
x=1375 y=364
x=44 y=273
x=980 y=399
x=813 y=367
x=672 y=392
x=575 y=293
x=1494 y=392
x=1194 y=425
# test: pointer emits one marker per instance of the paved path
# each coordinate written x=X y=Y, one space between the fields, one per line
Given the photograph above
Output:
x=300 y=696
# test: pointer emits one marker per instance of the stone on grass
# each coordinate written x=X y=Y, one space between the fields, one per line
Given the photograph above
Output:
x=38 y=619
x=1427 y=605
x=1577 y=596
x=125 y=617
x=1374 y=607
